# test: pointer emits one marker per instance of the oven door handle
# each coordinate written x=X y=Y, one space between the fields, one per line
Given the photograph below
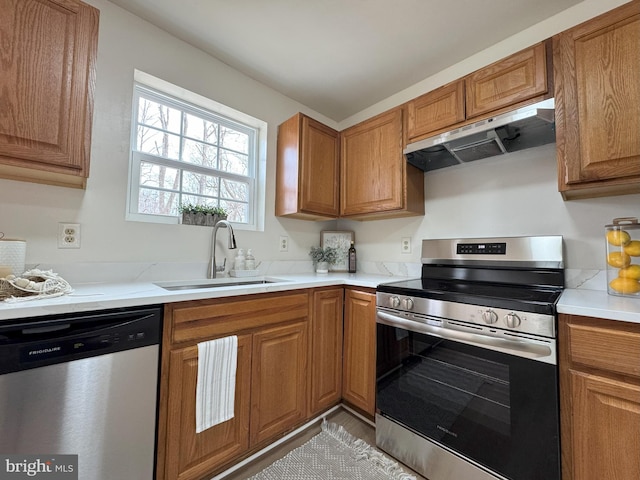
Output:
x=540 y=350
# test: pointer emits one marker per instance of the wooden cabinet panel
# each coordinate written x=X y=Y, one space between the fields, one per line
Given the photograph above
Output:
x=271 y=380
x=599 y=347
x=599 y=398
x=193 y=321
x=596 y=68
x=436 y=110
x=606 y=431
x=278 y=380
x=47 y=86
x=359 y=358
x=326 y=350
x=307 y=169
x=376 y=181
x=514 y=79
x=191 y=455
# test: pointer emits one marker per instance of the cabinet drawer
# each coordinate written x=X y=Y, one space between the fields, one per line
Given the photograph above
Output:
x=202 y=319
x=608 y=347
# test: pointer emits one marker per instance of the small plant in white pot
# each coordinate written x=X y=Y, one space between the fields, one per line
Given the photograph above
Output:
x=323 y=257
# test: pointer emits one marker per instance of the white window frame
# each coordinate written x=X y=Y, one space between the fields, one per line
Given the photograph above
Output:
x=177 y=97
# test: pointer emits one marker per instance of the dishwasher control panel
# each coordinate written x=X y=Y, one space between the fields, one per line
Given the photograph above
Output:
x=43 y=342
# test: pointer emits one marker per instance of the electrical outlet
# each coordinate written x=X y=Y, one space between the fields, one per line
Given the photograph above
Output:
x=68 y=235
x=405 y=245
x=284 y=243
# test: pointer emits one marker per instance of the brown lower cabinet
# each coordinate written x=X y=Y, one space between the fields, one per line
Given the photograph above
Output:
x=271 y=379
x=359 y=351
x=289 y=370
x=326 y=350
x=599 y=398
x=278 y=381
x=190 y=455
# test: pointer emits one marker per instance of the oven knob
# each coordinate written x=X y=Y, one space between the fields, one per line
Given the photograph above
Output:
x=512 y=320
x=394 y=302
x=489 y=316
x=408 y=303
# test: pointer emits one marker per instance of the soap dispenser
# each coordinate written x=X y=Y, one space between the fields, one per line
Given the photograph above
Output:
x=250 y=261
x=240 y=262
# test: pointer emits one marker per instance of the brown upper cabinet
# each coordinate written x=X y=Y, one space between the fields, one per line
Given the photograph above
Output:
x=522 y=78
x=359 y=173
x=47 y=85
x=597 y=72
x=515 y=79
x=307 y=169
x=436 y=110
x=376 y=180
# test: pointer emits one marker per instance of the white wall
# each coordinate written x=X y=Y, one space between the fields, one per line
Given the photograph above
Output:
x=515 y=194
x=572 y=16
x=508 y=196
x=32 y=211
x=512 y=195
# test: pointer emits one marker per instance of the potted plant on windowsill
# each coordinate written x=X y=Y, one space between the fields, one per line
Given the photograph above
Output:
x=323 y=257
x=201 y=214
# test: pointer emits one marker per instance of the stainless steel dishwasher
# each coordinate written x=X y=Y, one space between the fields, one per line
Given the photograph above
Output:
x=86 y=385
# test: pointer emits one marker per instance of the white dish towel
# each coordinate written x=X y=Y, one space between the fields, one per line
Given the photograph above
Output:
x=216 y=384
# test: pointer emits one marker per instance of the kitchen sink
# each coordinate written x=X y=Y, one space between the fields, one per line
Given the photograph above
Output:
x=214 y=283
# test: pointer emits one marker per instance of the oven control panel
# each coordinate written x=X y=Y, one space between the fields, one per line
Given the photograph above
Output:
x=497 y=248
x=499 y=318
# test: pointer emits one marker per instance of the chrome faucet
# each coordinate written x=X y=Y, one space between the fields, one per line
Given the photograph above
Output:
x=213 y=269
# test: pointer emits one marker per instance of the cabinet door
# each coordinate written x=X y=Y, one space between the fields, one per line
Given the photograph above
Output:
x=596 y=67
x=326 y=350
x=373 y=167
x=436 y=110
x=278 y=381
x=606 y=428
x=359 y=367
x=47 y=85
x=307 y=169
x=190 y=455
x=517 y=78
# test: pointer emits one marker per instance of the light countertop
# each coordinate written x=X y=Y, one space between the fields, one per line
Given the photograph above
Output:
x=599 y=304
x=102 y=296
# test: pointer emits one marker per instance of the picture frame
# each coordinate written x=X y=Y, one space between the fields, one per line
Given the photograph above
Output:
x=342 y=241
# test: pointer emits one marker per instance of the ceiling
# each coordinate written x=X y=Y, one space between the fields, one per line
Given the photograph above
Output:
x=338 y=57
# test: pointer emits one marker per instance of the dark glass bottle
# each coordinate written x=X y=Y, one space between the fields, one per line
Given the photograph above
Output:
x=352 y=259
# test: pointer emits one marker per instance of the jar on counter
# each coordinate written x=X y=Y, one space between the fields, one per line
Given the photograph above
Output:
x=623 y=257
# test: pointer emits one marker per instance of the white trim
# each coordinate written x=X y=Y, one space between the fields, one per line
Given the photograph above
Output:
x=360 y=416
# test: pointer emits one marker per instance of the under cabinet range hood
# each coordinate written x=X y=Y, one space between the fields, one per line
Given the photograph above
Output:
x=519 y=129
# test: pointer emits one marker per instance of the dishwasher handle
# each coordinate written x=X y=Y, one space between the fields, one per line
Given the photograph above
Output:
x=46 y=329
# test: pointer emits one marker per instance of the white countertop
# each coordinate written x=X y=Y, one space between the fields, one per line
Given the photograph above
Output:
x=598 y=303
x=102 y=296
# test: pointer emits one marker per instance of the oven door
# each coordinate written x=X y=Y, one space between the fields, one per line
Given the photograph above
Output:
x=497 y=409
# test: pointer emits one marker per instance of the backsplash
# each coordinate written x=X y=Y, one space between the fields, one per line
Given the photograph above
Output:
x=107 y=272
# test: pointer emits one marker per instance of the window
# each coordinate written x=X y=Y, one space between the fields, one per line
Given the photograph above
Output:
x=187 y=153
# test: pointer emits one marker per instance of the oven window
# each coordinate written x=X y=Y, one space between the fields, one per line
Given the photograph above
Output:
x=490 y=407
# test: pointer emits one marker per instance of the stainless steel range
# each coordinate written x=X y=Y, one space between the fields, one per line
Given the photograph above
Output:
x=467 y=380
